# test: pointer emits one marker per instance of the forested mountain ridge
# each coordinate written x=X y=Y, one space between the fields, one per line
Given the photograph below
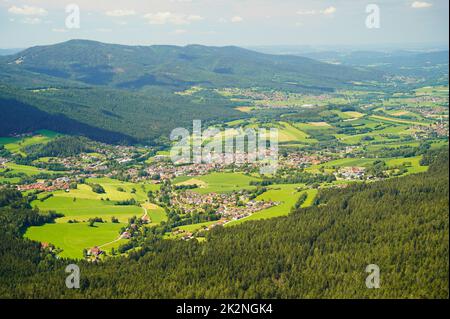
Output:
x=107 y=114
x=401 y=224
x=117 y=93
x=134 y=67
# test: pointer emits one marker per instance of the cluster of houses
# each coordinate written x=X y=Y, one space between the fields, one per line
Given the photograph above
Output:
x=186 y=235
x=95 y=252
x=93 y=162
x=351 y=173
x=83 y=162
x=239 y=212
x=300 y=160
x=166 y=171
x=230 y=206
x=439 y=128
x=3 y=162
x=219 y=161
x=61 y=183
x=257 y=95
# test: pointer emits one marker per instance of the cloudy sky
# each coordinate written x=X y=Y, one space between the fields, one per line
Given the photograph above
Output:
x=224 y=22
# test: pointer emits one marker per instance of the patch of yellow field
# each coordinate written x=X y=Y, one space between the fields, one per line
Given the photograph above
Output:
x=400 y=113
x=244 y=109
x=194 y=181
x=150 y=205
x=190 y=91
x=385 y=118
x=322 y=124
x=354 y=114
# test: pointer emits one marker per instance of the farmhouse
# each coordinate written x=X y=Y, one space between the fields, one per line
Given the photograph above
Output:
x=145 y=219
x=95 y=251
x=3 y=161
x=351 y=172
x=125 y=235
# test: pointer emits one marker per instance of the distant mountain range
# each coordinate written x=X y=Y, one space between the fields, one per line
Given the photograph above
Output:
x=399 y=62
x=116 y=92
x=134 y=67
x=404 y=58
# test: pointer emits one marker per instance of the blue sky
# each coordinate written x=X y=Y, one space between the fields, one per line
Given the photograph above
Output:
x=225 y=22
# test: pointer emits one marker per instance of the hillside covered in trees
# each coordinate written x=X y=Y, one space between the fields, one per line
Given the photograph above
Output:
x=115 y=93
x=401 y=225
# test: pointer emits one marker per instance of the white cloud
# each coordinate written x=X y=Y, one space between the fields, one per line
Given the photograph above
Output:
x=103 y=30
x=329 y=10
x=326 y=11
x=420 y=5
x=27 y=11
x=236 y=19
x=195 y=18
x=179 y=31
x=120 y=13
x=30 y=20
x=307 y=12
x=171 y=18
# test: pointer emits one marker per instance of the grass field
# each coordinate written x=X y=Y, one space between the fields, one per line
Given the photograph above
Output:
x=433 y=90
x=193 y=181
x=18 y=145
x=188 y=228
x=156 y=213
x=289 y=133
x=28 y=170
x=111 y=187
x=73 y=238
x=82 y=209
x=414 y=166
x=396 y=120
x=220 y=182
x=11 y=180
x=378 y=134
x=414 y=162
x=287 y=194
x=349 y=115
x=244 y=109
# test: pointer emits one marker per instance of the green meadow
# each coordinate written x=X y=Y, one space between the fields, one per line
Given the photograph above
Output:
x=287 y=195
x=81 y=204
x=156 y=213
x=396 y=120
x=221 y=182
x=25 y=169
x=188 y=228
x=412 y=164
x=18 y=145
x=115 y=190
x=73 y=238
x=82 y=209
x=289 y=133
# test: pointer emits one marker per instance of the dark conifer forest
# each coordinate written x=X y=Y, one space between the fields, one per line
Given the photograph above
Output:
x=400 y=224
